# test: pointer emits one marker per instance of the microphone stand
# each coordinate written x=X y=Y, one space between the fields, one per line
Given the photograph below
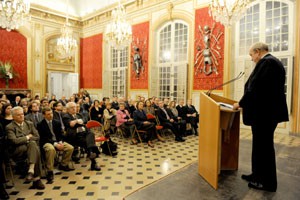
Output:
x=240 y=75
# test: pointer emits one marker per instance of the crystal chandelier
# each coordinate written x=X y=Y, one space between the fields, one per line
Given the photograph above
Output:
x=118 y=33
x=66 y=44
x=227 y=12
x=14 y=13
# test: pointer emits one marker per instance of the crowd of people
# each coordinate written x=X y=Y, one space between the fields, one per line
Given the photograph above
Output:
x=35 y=130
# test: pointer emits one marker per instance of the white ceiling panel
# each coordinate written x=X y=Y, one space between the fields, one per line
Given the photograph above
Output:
x=78 y=8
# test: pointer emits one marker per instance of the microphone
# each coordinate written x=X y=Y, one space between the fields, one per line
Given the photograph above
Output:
x=241 y=74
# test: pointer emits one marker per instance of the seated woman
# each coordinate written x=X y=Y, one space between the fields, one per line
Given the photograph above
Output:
x=6 y=116
x=176 y=117
x=149 y=109
x=142 y=123
x=150 y=113
x=124 y=121
x=109 y=115
x=96 y=112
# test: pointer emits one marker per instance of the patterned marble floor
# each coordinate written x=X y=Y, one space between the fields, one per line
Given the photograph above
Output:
x=136 y=166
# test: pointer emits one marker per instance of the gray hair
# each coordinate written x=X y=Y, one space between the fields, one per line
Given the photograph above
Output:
x=70 y=104
x=259 y=46
x=14 y=109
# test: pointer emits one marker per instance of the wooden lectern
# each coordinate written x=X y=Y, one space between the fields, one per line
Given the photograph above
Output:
x=218 y=137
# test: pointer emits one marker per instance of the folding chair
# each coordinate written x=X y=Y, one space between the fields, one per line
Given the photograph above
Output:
x=97 y=129
x=158 y=127
x=137 y=132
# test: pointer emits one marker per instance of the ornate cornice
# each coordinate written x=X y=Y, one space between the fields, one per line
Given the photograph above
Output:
x=52 y=17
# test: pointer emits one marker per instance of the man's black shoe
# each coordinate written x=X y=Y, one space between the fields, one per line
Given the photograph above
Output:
x=94 y=167
x=3 y=193
x=76 y=159
x=260 y=186
x=50 y=177
x=248 y=178
x=65 y=168
x=38 y=185
x=179 y=139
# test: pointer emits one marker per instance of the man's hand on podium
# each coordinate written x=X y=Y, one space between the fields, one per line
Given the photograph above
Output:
x=236 y=106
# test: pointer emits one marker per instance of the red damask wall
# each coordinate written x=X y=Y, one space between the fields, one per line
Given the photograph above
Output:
x=201 y=80
x=91 y=62
x=140 y=39
x=13 y=49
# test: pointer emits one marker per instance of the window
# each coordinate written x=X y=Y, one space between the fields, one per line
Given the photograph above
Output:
x=115 y=77
x=170 y=72
x=269 y=22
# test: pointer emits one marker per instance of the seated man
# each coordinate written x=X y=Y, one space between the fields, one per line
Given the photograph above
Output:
x=166 y=120
x=23 y=141
x=79 y=136
x=192 y=116
x=109 y=115
x=51 y=140
x=34 y=116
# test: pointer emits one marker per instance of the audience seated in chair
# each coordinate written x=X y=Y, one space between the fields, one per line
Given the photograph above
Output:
x=142 y=123
x=148 y=108
x=124 y=121
x=96 y=112
x=3 y=193
x=192 y=116
x=34 y=116
x=176 y=117
x=168 y=121
x=115 y=103
x=57 y=114
x=6 y=117
x=51 y=140
x=23 y=139
x=110 y=118
x=79 y=136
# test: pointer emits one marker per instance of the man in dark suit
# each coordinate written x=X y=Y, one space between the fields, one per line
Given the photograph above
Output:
x=167 y=121
x=51 y=140
x=16 y=102
x=182 y=109
x=192 y=116
x=78 y=135
x=264 y=106
x=57 y=114
x=34 y=116
x=63 y=100
x=23 y=141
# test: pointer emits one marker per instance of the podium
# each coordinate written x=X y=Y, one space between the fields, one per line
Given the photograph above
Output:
x=218 y=137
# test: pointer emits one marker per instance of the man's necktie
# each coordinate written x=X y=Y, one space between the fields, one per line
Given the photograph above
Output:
x=61 y=121
x=36 y=119
x=168 y=117
x=51 y=130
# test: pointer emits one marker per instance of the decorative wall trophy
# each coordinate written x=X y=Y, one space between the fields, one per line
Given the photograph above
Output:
x=138 y=58
x=207 y=57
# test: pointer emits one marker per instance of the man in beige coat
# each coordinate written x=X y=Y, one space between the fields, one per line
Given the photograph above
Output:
x=23 y=141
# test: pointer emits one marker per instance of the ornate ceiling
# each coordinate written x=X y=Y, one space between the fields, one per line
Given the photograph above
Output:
x=76 y=8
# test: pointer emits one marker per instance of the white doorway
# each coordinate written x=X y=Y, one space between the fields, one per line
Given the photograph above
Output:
x=62 y=84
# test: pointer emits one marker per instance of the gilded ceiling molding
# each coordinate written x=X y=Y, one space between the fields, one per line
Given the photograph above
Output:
x=43 y=15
